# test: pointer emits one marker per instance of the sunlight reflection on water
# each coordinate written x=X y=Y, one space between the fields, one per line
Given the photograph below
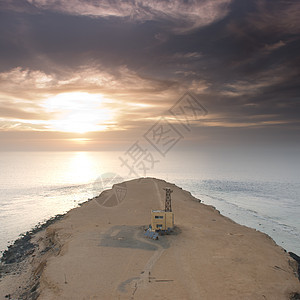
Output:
x=35 y=186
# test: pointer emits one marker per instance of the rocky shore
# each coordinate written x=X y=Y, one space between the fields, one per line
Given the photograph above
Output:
x=15 y=259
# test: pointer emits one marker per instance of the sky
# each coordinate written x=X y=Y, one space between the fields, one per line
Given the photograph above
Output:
x=102 y=75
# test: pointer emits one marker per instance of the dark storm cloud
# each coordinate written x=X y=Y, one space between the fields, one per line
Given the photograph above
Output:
x=252 y=58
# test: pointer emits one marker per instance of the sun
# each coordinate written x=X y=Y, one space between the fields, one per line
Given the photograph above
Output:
x=78 y=112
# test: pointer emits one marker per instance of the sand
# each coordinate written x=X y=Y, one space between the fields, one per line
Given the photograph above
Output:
x=100 y=252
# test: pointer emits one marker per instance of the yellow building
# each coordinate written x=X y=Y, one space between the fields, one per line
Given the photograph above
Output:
x=162 y=220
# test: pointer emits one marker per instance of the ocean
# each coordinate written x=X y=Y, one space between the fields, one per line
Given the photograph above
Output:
x=262 y=194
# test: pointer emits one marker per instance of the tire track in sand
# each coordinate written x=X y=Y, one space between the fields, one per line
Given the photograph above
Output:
x=144 y=278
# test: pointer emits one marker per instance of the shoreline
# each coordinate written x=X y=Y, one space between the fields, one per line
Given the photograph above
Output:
x=283 y=232
x=42 y=241
x=21 y=246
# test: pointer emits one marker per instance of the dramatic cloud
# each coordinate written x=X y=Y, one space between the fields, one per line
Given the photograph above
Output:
x=181 y=15
x=278 y=16
x=94 y=99
x=61 y=61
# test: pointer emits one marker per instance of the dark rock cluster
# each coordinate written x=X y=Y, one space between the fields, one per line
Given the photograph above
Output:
x=297 y=259
x=23 y=247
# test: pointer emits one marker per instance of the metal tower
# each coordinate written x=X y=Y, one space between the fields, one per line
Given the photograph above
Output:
x=168 y=206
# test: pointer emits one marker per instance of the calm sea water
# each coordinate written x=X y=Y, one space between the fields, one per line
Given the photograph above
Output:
x=35 y=186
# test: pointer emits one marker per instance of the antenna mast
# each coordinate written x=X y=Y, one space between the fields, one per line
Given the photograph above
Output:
x=168 y=206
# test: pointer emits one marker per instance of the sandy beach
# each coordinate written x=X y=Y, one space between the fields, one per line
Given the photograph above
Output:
x=99 y=251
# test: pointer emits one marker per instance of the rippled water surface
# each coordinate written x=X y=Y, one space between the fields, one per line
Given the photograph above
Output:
x=35 y=186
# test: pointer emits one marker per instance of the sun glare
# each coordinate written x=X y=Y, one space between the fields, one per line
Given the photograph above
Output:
x=78 y=112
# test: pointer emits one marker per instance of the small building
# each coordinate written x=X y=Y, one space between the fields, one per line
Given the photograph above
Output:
x=162 y=220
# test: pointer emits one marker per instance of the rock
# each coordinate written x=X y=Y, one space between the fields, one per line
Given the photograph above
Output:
x=297 y=259
x=295 y=296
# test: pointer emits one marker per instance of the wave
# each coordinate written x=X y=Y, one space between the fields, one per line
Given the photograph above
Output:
x=249 y=216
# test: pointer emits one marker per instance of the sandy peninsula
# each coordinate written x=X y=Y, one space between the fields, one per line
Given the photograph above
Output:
x=98 y=251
